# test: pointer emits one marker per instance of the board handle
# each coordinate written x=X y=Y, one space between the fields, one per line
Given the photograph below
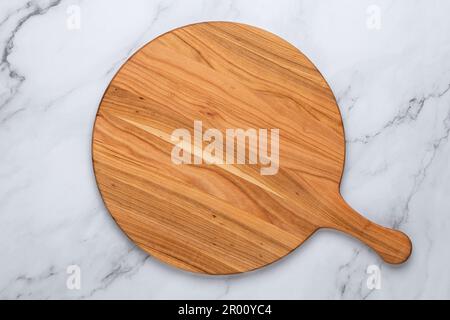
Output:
x=392 y=246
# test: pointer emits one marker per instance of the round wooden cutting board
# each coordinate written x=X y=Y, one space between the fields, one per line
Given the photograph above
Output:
x=219 y=148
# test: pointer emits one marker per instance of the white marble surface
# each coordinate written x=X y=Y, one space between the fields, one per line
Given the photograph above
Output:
x=391 y=77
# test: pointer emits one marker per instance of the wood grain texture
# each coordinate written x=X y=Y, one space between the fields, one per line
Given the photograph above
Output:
x=225 y=218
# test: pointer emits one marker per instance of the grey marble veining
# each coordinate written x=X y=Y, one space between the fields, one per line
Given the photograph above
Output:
x=388 y=63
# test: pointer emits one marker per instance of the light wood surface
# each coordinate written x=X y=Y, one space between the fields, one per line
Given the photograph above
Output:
x=225 y=218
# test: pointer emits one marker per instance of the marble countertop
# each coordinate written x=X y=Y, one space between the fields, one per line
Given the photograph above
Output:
x=388 y=63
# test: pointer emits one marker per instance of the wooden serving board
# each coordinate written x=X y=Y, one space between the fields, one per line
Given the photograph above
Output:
x=161 y=167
